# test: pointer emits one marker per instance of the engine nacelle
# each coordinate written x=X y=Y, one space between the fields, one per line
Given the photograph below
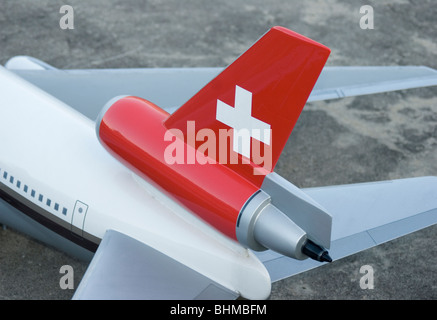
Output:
x=133 y=131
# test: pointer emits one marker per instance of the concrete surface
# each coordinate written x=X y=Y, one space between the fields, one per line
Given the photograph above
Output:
x=370 y=138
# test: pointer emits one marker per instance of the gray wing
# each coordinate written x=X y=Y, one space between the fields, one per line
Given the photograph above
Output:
x=88 y=90
x=340 y=82
x=365 y=215
x=124 y=268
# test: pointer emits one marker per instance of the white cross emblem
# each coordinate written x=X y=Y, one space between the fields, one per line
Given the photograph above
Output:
x=240 y=119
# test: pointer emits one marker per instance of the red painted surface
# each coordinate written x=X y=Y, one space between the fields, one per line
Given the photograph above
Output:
x=279 y=70
x=133 y=131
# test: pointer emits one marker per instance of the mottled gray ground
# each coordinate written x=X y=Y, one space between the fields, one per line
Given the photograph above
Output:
x=370 y=138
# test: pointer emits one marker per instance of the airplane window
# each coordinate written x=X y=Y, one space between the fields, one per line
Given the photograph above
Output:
x=26 y=188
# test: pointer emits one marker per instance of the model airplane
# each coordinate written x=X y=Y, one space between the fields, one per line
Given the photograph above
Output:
x=185 y=204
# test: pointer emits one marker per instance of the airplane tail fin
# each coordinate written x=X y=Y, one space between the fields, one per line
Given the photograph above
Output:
x=252 y=106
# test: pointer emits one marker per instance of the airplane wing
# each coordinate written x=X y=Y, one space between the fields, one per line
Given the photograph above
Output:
x=89 y=89
x=340 y=82
x=365 y=215
x=124 y=268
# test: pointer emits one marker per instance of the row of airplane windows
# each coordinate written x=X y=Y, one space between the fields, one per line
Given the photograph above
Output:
x=26 y=189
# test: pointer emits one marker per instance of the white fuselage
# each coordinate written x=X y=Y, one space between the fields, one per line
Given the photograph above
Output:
x=52 y=164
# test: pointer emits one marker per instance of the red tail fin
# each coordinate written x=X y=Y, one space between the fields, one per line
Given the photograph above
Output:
x=254 y=103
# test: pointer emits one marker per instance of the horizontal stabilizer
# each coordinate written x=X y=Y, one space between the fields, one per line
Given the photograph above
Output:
x=124 y=268
x=365 y=215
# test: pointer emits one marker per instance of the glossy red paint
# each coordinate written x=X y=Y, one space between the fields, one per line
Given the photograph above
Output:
x=133 y=131
x=279 y=70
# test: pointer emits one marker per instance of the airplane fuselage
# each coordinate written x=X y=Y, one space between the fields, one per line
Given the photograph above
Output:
x=53 y=169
